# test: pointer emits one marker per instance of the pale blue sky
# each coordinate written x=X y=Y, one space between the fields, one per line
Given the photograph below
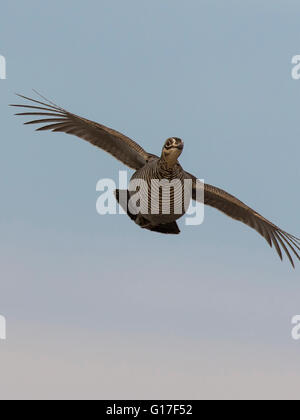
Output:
x=76 y=287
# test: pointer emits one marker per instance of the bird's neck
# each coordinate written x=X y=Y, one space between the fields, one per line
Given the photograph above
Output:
x=168 y=162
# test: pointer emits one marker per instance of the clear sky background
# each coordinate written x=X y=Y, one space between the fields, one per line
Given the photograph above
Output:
x=97 y=307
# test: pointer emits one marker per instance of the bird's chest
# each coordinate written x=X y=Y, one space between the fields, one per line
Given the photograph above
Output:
x=160 y=196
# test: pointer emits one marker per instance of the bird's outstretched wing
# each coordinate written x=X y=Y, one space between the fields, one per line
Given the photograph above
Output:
x=236 y=209
x=55 y=118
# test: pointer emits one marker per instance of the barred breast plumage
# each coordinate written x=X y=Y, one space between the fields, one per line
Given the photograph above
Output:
x=164 y=196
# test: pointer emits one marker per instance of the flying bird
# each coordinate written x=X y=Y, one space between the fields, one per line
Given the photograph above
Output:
x=150 y=168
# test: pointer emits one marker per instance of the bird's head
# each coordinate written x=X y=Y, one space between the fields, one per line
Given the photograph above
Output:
x=172 y=150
